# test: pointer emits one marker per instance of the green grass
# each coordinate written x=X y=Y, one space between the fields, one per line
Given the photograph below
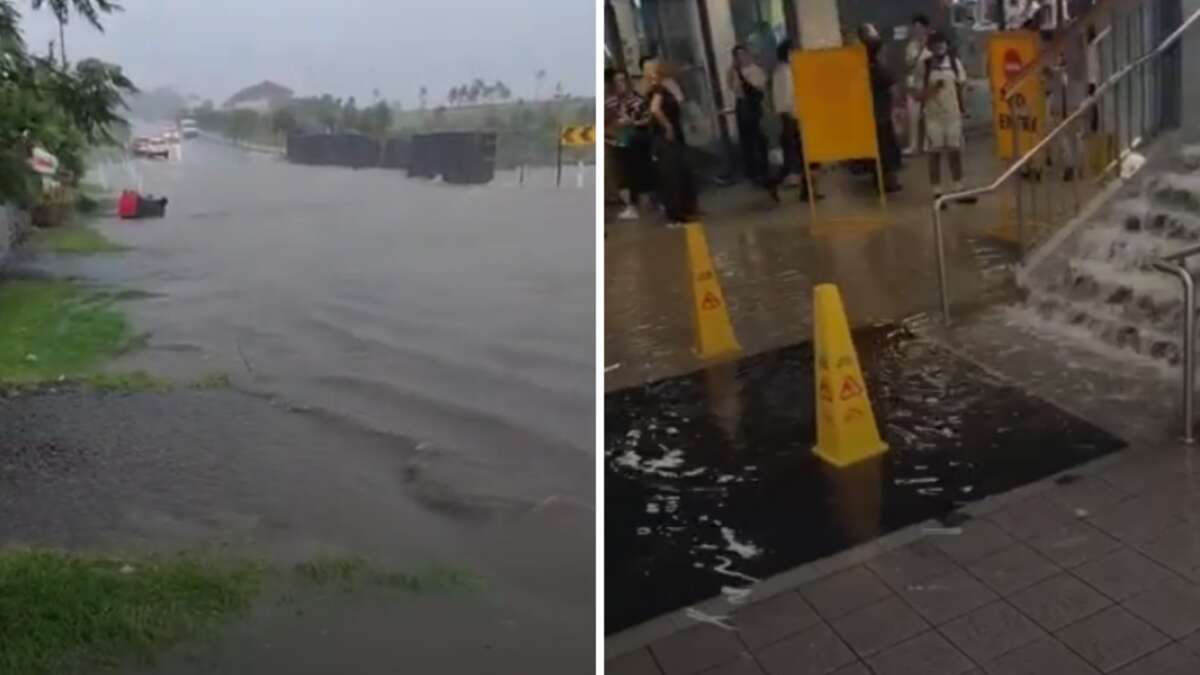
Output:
x=138 y=380
x=212 y=381
x=74 y=240
x=52 y=329
x=352 y=572
x=64 y=610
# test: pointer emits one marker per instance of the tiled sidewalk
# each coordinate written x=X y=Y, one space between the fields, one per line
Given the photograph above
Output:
x=1095 y=573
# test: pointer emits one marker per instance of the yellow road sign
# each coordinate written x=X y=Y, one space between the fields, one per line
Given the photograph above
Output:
x=578 y=136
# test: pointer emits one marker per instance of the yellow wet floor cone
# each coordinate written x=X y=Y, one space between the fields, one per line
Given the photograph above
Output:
x=846 y=429
x=710 y=316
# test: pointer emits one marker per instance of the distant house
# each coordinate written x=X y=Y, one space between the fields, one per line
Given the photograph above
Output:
x=261 y=97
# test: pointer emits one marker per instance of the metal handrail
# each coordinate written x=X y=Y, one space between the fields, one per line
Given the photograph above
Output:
x=1057 y=48
x=1174 y=264
x=1084 y=107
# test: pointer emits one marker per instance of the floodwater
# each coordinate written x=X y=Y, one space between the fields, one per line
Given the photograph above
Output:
x=414 y=369
x=711 y=484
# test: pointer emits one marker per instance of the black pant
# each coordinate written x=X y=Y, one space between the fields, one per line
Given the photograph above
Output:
x=635 y=167
x=676 y=185
x=889 y=148
x=793 y=149
x=754 y=143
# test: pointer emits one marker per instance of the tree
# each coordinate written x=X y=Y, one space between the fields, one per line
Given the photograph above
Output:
x=424 y=96
x=283 y=121
x=90 y=10
x=242 y=124
x=377 y=120
x=350 y=114
x=539 y=76
x=452 y=96
x=503 y=91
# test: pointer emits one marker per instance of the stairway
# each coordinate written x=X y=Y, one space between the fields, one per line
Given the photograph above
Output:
x=1101 y=280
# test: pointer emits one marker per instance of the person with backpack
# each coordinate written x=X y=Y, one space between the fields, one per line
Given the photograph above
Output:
x=942 y=112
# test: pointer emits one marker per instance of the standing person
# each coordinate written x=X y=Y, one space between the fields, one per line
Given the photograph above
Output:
x=627 y=113
x=676 y=185
x=783 y=97
x=882 y=83
x=749 y=84
x=943 y=109
x=915 y=53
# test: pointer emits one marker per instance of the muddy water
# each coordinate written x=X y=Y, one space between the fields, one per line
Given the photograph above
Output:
x=438 y=342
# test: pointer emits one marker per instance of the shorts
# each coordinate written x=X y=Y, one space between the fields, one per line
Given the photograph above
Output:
x=943 y=133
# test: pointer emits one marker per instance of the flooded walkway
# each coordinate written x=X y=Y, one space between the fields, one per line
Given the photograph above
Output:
x=768 y=257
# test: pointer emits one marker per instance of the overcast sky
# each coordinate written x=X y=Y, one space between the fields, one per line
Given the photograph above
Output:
x=344 y=47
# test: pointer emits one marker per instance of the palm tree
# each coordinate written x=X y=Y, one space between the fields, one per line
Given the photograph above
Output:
x=424 y=96
x=90 y=10
x=452 y=97
x=538 y=77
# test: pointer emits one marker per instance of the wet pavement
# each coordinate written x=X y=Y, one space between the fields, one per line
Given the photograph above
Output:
x=413 y=382
x=711 y=485
x=768 y=257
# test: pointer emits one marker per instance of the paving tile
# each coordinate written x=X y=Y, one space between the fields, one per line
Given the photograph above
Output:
x=876 y=627
x=1192 y=643
x=743 y=665
x=1133 y=521
x=1059 y=601
x=947 y=597
x=1074 y=543
x=912 y=564
x=1112 y=638
x=1173 y=607
x=1122 y=574
x=773 y=619
x=844 y=592
x=979 y=538
x=1086 y=494
x=1013 y=569
x=634 y=663
x=814 y=651
x=991 y=631
x=926 y=654
x=1045 y=656
x=1029 y=518
x=696 y=649
x=1177 y=548
x=1170 y=660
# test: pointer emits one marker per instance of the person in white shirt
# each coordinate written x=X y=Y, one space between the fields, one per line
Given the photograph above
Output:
x=783 y=96
x=749 y=84
x=915 y=53
x=942 y=111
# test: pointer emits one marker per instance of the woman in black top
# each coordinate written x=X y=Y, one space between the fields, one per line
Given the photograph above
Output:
x=676 y=185
x=882 y=83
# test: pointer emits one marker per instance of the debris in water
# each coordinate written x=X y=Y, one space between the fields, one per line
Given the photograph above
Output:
x=609 y=369
x=643 y=531
x=703 y=617
x=746 y=551
x=1082 y=513
x=943 y=531
x=736 y=596
x=921 y=480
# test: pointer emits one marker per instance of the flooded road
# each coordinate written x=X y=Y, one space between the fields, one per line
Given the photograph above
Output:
x=413 y=366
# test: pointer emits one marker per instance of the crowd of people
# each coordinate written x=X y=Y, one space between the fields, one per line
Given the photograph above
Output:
x=645 y=134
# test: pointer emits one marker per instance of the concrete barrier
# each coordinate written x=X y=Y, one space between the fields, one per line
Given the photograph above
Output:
x=461 y=157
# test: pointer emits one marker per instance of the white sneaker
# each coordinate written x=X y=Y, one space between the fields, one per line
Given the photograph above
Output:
x=628 y=213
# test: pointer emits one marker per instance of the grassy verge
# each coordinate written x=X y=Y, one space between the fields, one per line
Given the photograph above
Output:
x=348 y=573
x=90 y=612
x=53 y=329
x=63 y=610
x=73 y=240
